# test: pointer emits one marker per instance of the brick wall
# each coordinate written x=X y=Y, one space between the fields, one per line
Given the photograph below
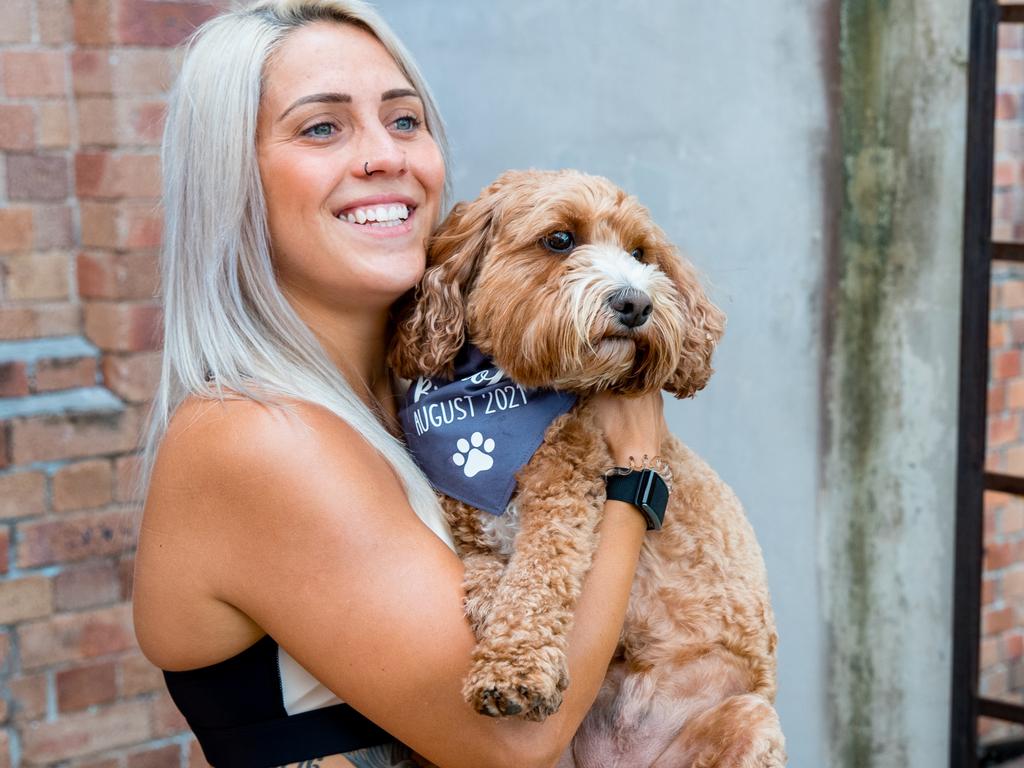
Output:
x=1002 y=643
x=82 y=92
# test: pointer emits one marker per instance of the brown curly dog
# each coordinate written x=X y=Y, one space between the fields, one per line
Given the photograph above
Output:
x=693 y=680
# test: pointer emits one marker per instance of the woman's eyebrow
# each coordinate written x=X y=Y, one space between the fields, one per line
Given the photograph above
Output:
x=344 y=98
x=319 y=98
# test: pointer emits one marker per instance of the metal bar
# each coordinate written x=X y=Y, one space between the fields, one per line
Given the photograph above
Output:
x=977 y=276
x=999 y=752
x=1001 y=710
x=1008 y=251
x=994 y=481
x=1011 y=14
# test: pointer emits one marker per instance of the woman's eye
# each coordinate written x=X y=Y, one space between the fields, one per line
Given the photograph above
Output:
x=638 y=254
x=320 y=131
x=407 y=123
x=559 y=242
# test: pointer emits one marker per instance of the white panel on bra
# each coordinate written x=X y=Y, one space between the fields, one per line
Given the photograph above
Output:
x=301 y=691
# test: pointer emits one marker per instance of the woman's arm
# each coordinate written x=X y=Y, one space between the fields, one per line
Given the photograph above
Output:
x=292 y=520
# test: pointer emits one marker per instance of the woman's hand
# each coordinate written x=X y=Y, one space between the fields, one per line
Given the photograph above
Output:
x=632 y=426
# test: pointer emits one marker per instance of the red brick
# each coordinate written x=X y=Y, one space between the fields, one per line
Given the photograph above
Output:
x=22 y=494
x=1009 y=36
x=167 y=719
x=142 y=122
x=54 y=125
x=85 y=733
x=1005 y=173
x=5 y=549
x=26 y=598
x=143 y=72
x=997 y=620
x=48 y=438
x=1006 y=365
x=15 y=21
x=998 y=555
x=65 y=373
x=5 y=452
x=104 y=175
x=1006 y=106
x=37 y=321
x=83 y=485
x=133 y=378
x=138 y=676
x=117 y=276
x=989 y=652
x=17 y=127
x=54 y=21
x=87 y=586
x=152 y=22
x=123 y=326
x=126 y=478
x=109 y=762
x=91 y=72
x=76 y=636
x=196 y=759
x=33 y=73
x=81 y=687
x=1011 y=519
x=1003 y=430
x=161 y=757
x=37 y=276
x=53 y=227
x=75 y=537
x=37 y=177
x=15 y=229
x=28 y=697
x=13 y=379
x=988 y=591
x=126 y=572
x=97 y=122
x=1013 y=647
x=5 y=651
x=91 y=21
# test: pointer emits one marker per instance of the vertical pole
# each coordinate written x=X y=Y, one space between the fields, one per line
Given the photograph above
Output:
x=977 y=250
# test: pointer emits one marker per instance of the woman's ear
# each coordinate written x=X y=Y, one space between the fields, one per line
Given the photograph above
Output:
x=431 y=324
x=704 y=326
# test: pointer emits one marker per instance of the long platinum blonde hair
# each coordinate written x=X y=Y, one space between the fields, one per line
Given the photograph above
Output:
x=228 y=329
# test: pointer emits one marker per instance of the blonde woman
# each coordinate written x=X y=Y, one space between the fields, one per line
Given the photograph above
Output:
x=291 y=556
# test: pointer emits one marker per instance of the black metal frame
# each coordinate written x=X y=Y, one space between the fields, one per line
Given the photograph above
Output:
x=972 y=479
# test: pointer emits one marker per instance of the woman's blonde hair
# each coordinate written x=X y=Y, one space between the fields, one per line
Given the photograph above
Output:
x=228 y=330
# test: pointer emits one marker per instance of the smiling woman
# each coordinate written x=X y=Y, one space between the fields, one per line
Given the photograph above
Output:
x=295 y=577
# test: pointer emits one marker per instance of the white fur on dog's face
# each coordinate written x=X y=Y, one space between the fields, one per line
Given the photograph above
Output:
x=543 y=314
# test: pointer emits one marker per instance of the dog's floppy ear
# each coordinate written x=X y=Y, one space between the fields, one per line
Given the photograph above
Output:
x=704 y=327
x=431 y=327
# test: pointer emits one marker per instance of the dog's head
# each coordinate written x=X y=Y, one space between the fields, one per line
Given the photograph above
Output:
x=565 y=282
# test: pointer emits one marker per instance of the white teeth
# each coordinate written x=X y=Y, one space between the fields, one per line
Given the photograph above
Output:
x=382 y=215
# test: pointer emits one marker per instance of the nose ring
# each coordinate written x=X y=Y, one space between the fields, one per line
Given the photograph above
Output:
x=367 y=171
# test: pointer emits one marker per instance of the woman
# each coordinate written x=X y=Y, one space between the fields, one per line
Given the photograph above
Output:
x=291 y=556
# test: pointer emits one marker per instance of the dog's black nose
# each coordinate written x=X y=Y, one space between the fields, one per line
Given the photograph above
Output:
x=631 y=306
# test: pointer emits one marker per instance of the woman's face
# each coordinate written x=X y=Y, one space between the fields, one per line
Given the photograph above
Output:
x=335 y=103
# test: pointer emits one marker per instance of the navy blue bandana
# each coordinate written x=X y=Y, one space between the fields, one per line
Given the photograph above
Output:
x=471 y=435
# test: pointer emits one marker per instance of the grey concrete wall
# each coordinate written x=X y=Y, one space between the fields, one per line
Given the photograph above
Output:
x=888 y=500
x=717 y=118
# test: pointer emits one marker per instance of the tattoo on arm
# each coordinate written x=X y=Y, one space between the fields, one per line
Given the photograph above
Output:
x=313 y=763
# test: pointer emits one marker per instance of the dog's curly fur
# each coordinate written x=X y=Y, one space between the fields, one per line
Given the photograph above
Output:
x=693 y=680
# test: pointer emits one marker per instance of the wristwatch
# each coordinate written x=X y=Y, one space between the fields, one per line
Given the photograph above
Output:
x=644 y=488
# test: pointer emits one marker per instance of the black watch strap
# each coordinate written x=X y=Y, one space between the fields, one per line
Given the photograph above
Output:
x=645 y=489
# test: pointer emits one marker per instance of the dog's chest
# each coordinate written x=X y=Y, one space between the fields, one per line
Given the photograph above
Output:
x=500 y=531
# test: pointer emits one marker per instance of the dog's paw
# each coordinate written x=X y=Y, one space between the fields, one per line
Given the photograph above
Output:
x=506 y=690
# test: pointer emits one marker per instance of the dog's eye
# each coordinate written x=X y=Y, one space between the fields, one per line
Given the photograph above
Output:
x=559 y=242
x=638 y=254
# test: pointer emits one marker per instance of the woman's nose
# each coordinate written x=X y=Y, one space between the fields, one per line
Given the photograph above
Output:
x=379 y=153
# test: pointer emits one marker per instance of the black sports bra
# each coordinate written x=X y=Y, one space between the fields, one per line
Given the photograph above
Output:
x=236 y=710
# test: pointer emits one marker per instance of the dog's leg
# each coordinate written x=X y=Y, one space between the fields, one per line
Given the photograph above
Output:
x=520 y=665
x=483 y=566
x=741 y=731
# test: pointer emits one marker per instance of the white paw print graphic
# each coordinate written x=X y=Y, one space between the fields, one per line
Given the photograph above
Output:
x=473 y=454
